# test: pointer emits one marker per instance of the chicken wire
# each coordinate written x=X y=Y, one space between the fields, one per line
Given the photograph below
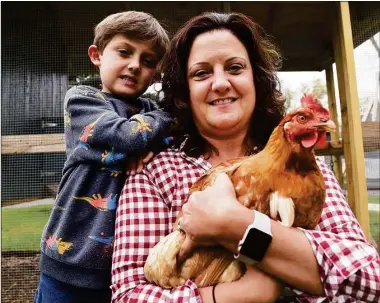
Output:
x=367 y=68
x=44 y=52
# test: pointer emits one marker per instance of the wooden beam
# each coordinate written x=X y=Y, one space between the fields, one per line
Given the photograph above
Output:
x=335 y=136
x=30 y=144
x=330 y=149
x=352 y=129
x=48 y=143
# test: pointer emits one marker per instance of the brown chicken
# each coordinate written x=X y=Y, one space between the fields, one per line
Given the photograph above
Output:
x=282 y=181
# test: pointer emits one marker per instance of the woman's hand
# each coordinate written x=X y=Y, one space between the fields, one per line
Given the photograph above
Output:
x=207 y=214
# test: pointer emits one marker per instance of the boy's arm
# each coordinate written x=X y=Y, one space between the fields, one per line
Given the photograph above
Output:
x=94 y=122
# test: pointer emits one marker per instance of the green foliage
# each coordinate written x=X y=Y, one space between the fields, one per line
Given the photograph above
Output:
x=374 y=199
x=318 y=88
x=22 y=227
x=374 y=224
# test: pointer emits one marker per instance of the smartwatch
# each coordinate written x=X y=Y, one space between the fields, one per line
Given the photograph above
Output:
x=256 y=240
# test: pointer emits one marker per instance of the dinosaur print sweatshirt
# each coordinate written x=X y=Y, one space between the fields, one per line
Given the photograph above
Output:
x=101 y=133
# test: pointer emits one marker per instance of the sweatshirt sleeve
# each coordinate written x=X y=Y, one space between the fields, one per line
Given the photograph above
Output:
x=93 y=122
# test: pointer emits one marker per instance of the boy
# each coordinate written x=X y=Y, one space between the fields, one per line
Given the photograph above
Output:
x=103 y=132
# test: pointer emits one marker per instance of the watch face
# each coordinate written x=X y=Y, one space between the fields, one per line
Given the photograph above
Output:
x=256 y=244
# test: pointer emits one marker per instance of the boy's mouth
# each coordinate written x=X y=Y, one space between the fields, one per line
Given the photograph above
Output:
x=129 y=80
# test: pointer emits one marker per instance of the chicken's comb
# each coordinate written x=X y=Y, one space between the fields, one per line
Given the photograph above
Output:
x=308 y=100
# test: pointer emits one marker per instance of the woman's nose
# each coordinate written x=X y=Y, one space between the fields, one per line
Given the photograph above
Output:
x=221 y=83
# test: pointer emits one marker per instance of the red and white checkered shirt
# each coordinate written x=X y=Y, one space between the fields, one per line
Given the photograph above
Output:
x=148 y=207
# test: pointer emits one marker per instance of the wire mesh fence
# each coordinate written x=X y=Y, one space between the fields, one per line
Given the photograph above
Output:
x=44 y=53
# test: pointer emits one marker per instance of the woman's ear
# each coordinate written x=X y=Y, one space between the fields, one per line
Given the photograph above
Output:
x=94 y=55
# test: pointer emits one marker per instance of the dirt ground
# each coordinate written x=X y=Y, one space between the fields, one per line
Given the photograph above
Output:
x=19 y=277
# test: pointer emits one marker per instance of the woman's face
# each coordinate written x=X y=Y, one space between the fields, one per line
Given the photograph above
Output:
x=222 y=90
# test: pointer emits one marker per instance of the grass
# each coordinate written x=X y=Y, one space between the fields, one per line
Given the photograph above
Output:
x=374 y=224
x=374 y=199
x=22 y=227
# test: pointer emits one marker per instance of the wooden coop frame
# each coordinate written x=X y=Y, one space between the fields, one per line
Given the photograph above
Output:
x=336 y=46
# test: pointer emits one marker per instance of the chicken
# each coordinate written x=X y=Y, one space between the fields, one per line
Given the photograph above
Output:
x=282 y=181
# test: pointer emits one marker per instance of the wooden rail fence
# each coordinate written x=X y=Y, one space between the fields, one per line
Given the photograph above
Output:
x=50 y=143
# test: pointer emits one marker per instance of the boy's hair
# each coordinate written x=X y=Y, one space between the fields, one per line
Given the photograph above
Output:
x=134 y=25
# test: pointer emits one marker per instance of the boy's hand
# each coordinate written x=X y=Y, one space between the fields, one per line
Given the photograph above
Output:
x=135 y=165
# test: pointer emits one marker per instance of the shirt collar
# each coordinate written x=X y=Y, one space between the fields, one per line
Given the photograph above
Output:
x=200 y=161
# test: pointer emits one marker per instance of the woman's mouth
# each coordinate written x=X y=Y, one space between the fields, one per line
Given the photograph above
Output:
x=223 y=101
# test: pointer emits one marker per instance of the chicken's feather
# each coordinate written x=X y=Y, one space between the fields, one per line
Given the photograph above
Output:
x=284 y=168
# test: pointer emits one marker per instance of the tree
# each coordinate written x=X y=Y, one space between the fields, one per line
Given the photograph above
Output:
x=318 y=89
x=289 y=95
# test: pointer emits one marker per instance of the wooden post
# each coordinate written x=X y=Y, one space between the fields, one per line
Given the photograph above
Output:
x=352 y=129
x=226 y=6
x=335 y=137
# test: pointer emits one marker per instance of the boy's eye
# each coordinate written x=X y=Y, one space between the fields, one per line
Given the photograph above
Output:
x=149 y=62
x=124 y=52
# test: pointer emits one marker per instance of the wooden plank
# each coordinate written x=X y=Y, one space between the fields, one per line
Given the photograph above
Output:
x=335 y=136
x=26 y=144
x=330 y=149
x=29 y=144
x=352 y=129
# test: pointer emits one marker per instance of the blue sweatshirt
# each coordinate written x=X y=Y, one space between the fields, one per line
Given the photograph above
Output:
x=101 y=133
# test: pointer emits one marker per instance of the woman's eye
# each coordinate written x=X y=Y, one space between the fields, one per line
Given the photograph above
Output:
x=235 y=68
x=200 y=73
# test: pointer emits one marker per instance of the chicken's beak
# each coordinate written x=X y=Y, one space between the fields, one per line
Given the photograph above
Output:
x=329 y=125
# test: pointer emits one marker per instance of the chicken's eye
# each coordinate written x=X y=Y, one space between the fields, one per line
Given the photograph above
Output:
x=301 y=119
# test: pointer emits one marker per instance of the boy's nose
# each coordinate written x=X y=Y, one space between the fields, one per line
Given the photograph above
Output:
x=134 y=65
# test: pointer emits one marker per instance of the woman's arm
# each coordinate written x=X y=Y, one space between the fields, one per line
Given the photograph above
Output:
x=254 y=287
x=143 y=218
x=349 y=266
x=319 y=262
x=289 y=257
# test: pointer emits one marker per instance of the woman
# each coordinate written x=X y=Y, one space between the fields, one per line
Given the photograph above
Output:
x=220 y=83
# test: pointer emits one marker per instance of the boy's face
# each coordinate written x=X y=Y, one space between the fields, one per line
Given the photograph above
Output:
x=126 y=66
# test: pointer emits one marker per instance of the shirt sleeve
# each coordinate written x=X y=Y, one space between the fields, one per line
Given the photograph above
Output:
x=348 y=264
x=142 y=220
x=94 y=123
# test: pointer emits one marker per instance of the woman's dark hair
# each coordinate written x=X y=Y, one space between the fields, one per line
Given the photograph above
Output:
x=265 y=61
